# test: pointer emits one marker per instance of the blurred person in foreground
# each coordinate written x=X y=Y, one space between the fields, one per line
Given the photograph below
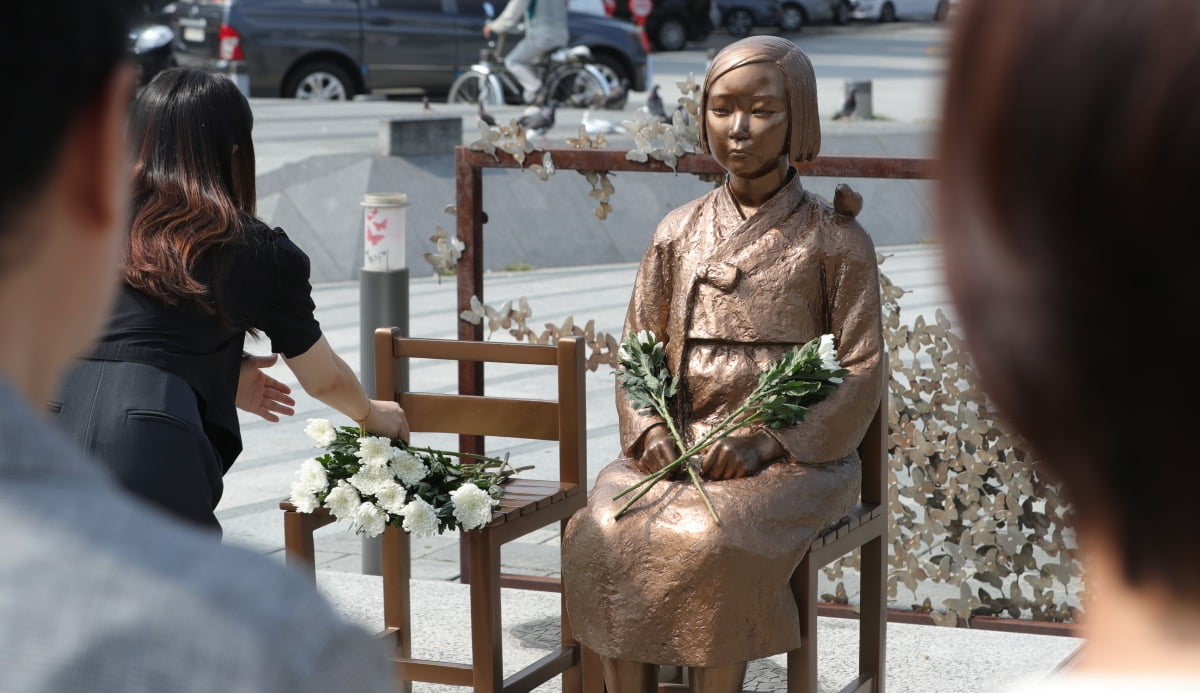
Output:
x=1070 y=154
x=98 y=591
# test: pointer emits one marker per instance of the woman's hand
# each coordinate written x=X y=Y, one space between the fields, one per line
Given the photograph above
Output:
x=738 y=456
x=386 y=419
x=259 y=393
x=658 y=450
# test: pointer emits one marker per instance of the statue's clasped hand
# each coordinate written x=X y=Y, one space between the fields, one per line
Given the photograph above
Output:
x=735 y=457
x=658 y=450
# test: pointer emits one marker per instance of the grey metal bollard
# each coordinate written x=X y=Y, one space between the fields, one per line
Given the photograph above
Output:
x=383 y=302
x=864 y=109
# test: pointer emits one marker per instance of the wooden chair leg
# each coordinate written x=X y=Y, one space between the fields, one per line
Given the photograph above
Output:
x=486 y=635
x=802 y=663
x=298 y=543
x=397 y=593
x=872 y=616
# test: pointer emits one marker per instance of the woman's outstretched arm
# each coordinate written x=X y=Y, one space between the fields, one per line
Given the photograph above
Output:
x=325 y=376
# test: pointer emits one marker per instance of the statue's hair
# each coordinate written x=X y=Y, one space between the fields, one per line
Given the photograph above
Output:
x=799 y=82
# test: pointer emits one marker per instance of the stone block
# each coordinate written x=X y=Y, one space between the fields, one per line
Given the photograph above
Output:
x=419 y=135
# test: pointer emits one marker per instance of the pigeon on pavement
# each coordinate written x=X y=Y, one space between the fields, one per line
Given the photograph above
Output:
x=654 y=104
x=539 y=122
x=597 y=125
x=485 y=116
x=848 y=106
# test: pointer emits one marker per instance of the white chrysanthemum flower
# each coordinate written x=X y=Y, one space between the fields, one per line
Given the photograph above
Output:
x=472 y=506
x=407 y=467
x=305 y=501
x=375 y=461
x=370 y=520
x=321 y=432
x=391 y=497
x=420 y=519
x=828 y=354
x=373 y=447
x=368 y=480
x=343 y=500
x=311 y=477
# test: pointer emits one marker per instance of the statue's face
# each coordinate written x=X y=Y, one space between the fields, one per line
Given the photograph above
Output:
x=747 y=120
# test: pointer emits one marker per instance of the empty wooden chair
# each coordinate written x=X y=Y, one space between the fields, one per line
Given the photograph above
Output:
x=527 y=505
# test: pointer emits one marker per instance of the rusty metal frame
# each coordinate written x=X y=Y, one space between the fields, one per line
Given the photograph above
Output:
x=468 y=170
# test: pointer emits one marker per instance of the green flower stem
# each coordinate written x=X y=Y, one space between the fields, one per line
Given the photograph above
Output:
x=699 y=484
x=653 y=478
x=722 y=429
x=666 y=415
x=462 y=455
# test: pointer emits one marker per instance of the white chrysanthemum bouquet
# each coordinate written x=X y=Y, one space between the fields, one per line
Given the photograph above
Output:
x=800 y=378
x=373 y=482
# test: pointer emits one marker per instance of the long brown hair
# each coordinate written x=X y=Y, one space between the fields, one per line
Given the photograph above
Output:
x=193 y=185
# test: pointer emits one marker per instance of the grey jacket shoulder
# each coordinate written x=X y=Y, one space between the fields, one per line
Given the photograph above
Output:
x=99 y=592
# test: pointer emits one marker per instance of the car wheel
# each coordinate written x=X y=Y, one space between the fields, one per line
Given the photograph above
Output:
x=887 y=13
x=791 y=18
x=943 y=11
x=320 y=81
x=671 y=35
x=739 y=23
x=841 y=13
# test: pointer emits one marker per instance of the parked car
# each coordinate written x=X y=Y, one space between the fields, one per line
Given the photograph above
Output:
x=151 y=40
x=795 y=14
x=335 y=49
x=670 y=24
x=893 y=10
x=739 y=17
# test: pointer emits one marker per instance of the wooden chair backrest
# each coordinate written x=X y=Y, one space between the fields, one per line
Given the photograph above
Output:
x=560 y=419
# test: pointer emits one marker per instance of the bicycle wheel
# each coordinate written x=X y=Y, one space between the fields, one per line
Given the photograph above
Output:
x=475 y=87
x=576 y=86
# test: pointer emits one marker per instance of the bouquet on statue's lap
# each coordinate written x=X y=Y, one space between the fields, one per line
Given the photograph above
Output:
x=798 y=379
x=373 y=482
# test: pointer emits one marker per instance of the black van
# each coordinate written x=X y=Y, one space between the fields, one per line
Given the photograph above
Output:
x=672 y=23
x=335 y=49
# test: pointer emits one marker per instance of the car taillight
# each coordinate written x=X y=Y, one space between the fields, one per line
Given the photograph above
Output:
x=230 y=44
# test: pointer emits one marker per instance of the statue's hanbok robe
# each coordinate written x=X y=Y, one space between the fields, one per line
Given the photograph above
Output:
x=665 y=584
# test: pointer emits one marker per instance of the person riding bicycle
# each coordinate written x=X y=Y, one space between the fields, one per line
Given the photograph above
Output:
x=545 y=30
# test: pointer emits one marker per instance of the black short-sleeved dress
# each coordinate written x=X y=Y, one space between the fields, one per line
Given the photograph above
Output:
x=155 y=398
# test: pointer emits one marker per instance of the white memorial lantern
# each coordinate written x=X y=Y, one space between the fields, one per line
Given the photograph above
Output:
x=383 y=231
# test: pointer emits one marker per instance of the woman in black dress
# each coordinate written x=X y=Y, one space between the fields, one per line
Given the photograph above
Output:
x=156 y=398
